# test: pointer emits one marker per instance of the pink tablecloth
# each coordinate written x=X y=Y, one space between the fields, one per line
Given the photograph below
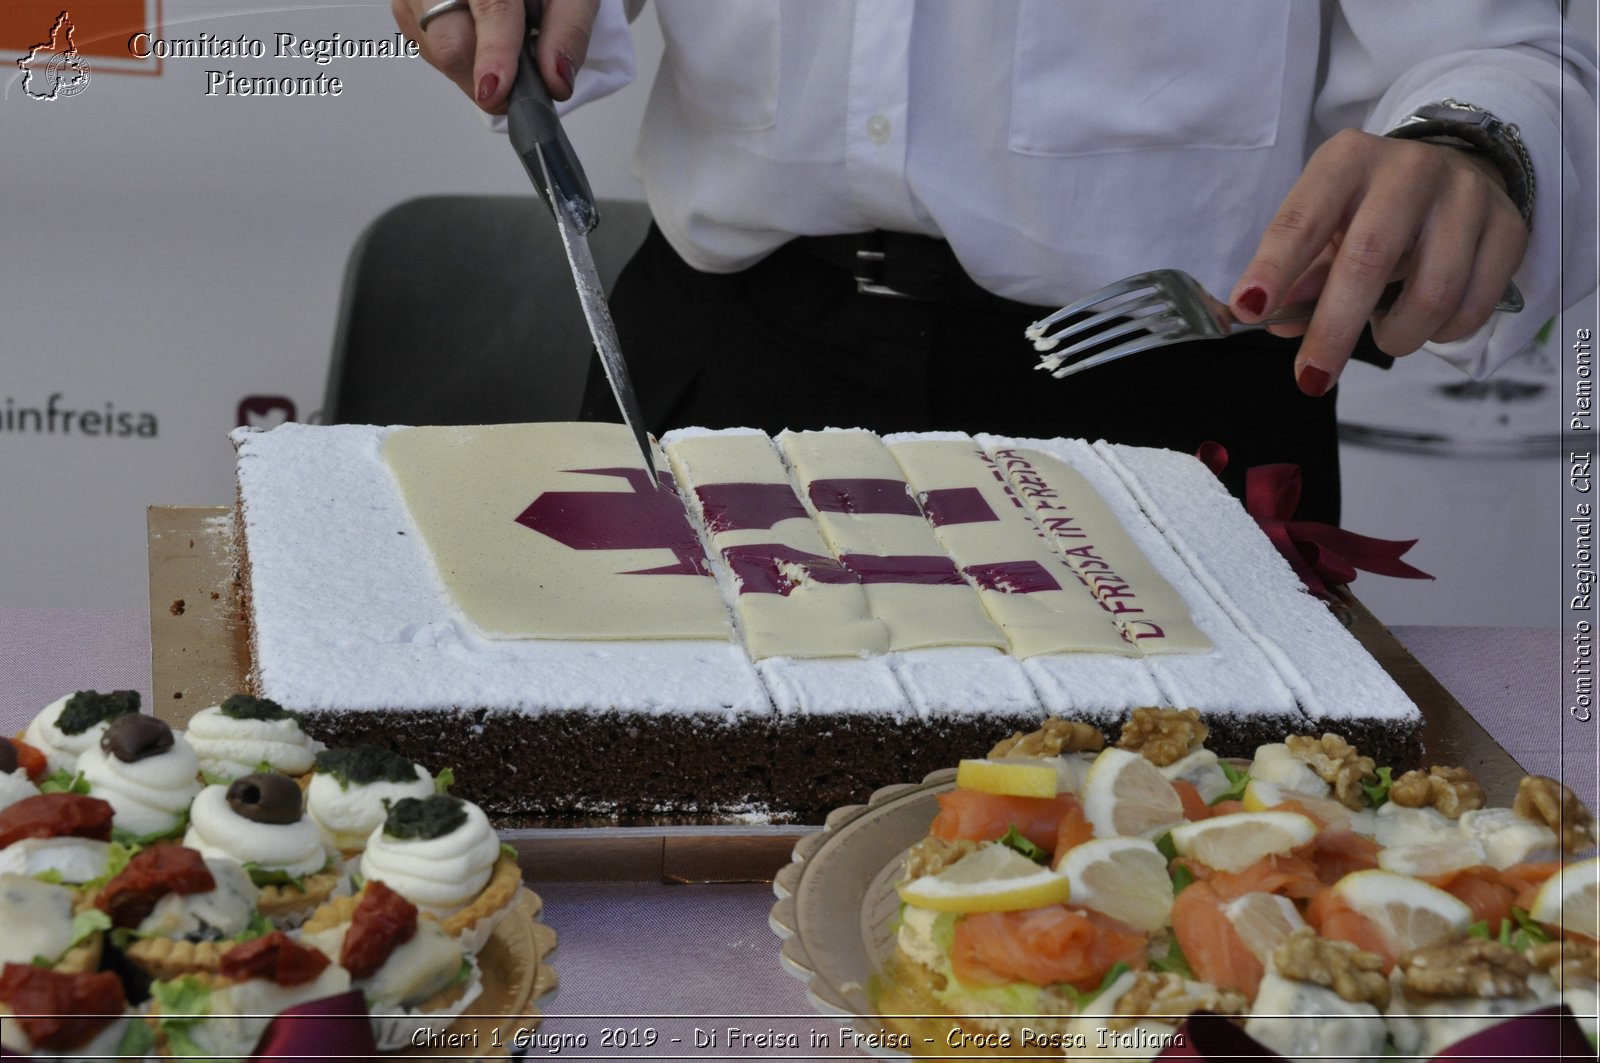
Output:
x=637 y=957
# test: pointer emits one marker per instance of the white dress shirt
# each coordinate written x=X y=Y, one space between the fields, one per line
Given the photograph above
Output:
x=1061 y=144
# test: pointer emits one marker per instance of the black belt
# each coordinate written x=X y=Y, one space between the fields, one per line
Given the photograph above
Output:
x=907 y=266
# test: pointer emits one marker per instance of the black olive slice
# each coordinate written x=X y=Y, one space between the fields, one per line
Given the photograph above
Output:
x=136 y=736
x=266 y=797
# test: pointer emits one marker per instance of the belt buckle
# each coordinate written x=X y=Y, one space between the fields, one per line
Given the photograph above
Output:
x=869 y=273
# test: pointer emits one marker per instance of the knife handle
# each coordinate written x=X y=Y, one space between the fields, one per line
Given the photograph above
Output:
x=533 y=125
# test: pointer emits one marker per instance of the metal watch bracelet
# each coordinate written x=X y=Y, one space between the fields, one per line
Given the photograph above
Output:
x=1465 y=125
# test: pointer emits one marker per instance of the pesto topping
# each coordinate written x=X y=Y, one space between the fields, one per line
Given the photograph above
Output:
x=88 y=707
x=421 y=818
x=366 y=763
x=245 y=707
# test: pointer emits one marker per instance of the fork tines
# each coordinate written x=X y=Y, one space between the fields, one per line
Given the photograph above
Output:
x=1131 y=315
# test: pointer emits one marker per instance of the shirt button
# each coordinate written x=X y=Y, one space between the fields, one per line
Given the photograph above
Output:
x=878 y=128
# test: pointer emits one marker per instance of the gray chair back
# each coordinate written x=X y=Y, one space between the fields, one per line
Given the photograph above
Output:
x=462 y=310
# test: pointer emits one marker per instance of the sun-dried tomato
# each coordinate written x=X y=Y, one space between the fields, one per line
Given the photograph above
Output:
x=30 y=759
x=56 y=816
x=274 y=957
x=383 y=921
x=60 y=1011
x=151 y=875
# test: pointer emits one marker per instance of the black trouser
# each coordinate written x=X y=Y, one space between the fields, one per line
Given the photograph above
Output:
x=790 y=343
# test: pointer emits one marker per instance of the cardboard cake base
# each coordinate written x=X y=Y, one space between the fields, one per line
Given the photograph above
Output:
x=200 y=655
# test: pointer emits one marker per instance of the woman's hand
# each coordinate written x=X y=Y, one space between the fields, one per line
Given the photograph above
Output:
x=1368 y=210
x=476 y=45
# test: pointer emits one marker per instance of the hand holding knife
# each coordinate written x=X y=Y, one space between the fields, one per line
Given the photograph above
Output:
x=553 y=166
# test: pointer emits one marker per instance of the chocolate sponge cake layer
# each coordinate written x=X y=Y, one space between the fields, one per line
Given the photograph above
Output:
x=352 y=627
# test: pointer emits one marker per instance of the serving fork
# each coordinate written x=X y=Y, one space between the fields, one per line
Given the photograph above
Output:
x=1158 y=308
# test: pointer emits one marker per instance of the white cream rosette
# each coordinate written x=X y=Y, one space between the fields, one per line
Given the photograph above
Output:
x=148 y=795
x=231 y=748
x=348 y=814
x=442 y=875
x=217 y=830
x=60 y=749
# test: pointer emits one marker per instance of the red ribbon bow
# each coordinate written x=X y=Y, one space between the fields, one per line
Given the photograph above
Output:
x=1320 y=554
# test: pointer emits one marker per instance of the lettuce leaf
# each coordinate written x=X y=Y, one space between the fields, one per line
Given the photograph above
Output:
x=1378 y=792
x=184 y=1003
x=139 y=841
x=1174 y=962
x=138 y=1040
x=444 y=780
x=269 y=876
x=1238 y=779
x=1085 y=998
x=61 y=781
x=1013 y=839
x=87 y=923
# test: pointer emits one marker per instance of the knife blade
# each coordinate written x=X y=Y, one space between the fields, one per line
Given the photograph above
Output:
x=553 y=166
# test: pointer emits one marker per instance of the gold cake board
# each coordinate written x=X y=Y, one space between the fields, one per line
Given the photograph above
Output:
x=200 y=655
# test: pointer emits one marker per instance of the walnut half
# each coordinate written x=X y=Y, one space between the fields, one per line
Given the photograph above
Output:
x=1054 y=736
x=932 y=855
x=1568 y=962
x=1357 y=976
x=1467 y=967
x=1164 y=736
x=1337 y=763
x=1451 y=791
x=1169 y=998
x=1544 y=800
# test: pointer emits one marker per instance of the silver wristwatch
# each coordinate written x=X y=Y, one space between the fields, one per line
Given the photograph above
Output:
x=1464 y=125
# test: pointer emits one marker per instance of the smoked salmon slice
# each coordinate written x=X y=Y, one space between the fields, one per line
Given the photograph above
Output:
x=1214 y=949
x=973 y=815
x=1043 y=946
x=1194 y=806
x=1335 y=919
x=1481 y=888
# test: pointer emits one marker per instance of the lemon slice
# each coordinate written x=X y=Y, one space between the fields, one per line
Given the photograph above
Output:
x=992 y=879
x=1235 y=841
x=1125 y=878
x=1262 y=796
x=1008 y=776
x=1275 y=764
x=1125 y=795
x=1408 y=912
x=1571 y=898
x=1431 y=858
x=1263 y=921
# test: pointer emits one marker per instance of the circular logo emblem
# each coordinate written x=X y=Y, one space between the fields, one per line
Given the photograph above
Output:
x=68 y=73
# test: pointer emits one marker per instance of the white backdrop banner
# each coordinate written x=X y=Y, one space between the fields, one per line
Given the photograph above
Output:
x=183 y=182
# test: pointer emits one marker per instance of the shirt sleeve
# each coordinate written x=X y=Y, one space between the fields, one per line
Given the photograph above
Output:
x=610 y=63
x=1518 y=60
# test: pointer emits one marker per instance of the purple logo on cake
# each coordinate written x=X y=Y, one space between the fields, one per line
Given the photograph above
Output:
x=743 y=507
x=934 y=570
x=1013 y=577
x=772 y=568
x=863 y=496
x=642 y=518
x=957 y=505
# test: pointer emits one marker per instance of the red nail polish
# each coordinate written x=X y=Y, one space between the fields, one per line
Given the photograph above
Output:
x=1253 y=300
x=487 y=86
x=1313 y=381
x=566 y=71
